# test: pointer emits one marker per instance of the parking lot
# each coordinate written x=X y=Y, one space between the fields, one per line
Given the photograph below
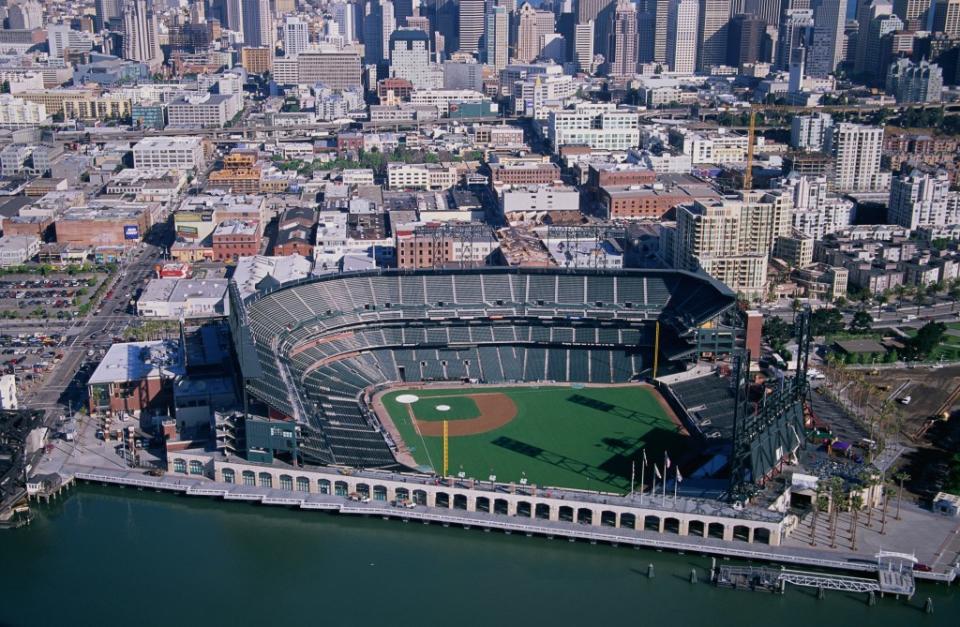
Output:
x=55 y=296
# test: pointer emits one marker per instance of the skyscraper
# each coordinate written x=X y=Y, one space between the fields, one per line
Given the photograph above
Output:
x=26 y=15
x=471 y=25
x=827 y=48
x=532 y=26
x=867 y=10
x=140 y=41
x=856 y=150
x=402 y=9
x=105 y=9
x=296 y=36
x=914 y=13
x=601 y=12
x=919 y=199
x=745 y=39
x=497 y=37
x=583 y=46
x=410 y=59
x=682 y=36
x=946 y=17
x=661 y=27
x=713 y=27
x=345 y=15
x=378 y=24
x=234 y=15
x=623 y=40
x=257 y=24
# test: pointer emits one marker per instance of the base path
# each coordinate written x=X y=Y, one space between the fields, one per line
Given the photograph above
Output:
x=496 y=410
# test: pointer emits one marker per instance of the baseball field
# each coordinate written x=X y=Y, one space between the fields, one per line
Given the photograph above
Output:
x=561 y=436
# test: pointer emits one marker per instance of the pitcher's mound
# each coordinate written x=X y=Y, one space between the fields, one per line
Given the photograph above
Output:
x=443 y=408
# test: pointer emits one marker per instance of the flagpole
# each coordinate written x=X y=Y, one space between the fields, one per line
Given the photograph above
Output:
x=663 y=500
x=643 y=468
x=633 y=474
x=676 y=480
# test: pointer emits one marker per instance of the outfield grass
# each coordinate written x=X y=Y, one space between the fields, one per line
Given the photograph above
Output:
x=562 y=436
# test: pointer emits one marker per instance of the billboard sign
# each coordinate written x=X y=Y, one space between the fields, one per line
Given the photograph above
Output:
x=131 y=231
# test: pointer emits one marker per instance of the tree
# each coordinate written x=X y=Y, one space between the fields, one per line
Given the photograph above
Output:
x=836 y=496
x=826 y=321
x=887 y=493
x=856 y=503
x=870 y=480
x=776 y=331
x=820 y=503
x=881 y=299
x=901 y=478
x=953 y=293
x=862 y=322
x=927 y=339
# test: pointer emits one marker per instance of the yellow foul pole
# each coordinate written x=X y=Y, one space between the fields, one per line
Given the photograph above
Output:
x=446 y=449
x=656 y=350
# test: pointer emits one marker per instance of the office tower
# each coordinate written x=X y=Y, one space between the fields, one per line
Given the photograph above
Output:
x=140 y=41
x=714 y=19
x=532 y=26
x=105 y=9
x=646 y=22
x=296 y=36
x=257 y=24
x=682 y=36
x=915 y=14
x=402 y=9
x=826 y=52
x=198 y=13
x=879 y=46
x=745 y=39
x=946 y=18
x=919 y=199
x=766 y=10
x=497 y=37
x=378 y=24
x=583 y=46
x=867 y=11
x=795 y=32
x=471 y=25
x=410 y=59
x=856 y=151
x=623 y=40
x=601 y=12
x=344 y=14
x=661 y=27
x=797 y=70
x=26 y=15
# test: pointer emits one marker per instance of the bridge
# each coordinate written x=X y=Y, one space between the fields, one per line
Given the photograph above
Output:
x=896 y=582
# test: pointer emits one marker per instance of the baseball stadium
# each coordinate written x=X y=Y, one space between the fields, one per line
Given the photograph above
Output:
x=502 y=374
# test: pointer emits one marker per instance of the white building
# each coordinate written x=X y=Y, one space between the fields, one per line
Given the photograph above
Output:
x=344 y=14
x=809 y=132
x=682 y=34
x=600 y=126
x=19 y=113
x=410 y=59
x=17 y=249
x=443 y=98
x=533 y=203
x=424 y=176
x=856 y=150
x=536 y=96
x=920 y=199
x=184 y=153
x=816 y=212
x=716 y=147
x=296 y=36
x=141 y=41
x=61 y=38
x=497 y=37
x=174 y=299
x=200 y=111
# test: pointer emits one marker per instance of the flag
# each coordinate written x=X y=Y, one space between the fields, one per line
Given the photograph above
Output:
x=657 y=471
x=644 y=457
x=666 y=461
x=679 y=476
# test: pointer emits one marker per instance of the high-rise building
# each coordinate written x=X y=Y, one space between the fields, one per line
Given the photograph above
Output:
x=402 y=10
x=946 y=18
x=856 y=151
x=713 y=28
x=623 y=40
x=745 y=39
x=879 y=46
x=766 y=10
x=471 y=25
x=234 y=15
x=378 y=24
x=827 y=49
x=795 y=32
x=296 y=36
x=345 y=15
x=497 y=37
x=682 y=36
x=26 y=15
x=919 y=199
x=140 y=41
x=583 y=46
x=532 y=27
x=410 y=59
x=601 y=12
x=914 y=13
x=731 y=239
x=104 y=10
x=867 y=11
x=915 y=82
x=257 y=23
x=660 y=9
x=809 y=132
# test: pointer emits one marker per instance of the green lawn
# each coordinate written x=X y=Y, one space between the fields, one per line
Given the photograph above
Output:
x=562 y=436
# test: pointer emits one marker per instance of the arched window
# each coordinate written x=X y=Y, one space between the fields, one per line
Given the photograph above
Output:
x=266 y=481
x=229 y=476
x=286 y=482
x=249 y=478
x=196 y=467
x=303 y=484
x=324 y=486
x=180 y=466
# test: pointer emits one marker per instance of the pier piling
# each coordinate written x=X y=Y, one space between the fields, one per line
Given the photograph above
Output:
x=693 y=575
x=650 y=571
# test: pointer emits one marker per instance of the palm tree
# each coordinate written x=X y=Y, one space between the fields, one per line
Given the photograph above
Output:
x=836 y=492
x=881 y=299
x=856 y=503
x=954 y=294
x=870 y=480
x=901 y=291
x=887 y=493
x=820 y=503
x=901 y=478
x=920 y=298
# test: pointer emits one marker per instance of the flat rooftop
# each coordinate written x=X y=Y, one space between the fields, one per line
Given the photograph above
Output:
x=138 y=361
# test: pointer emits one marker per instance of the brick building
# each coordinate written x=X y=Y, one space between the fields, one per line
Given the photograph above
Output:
x=236 y=238
x=524 y=173
x=295 y=232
